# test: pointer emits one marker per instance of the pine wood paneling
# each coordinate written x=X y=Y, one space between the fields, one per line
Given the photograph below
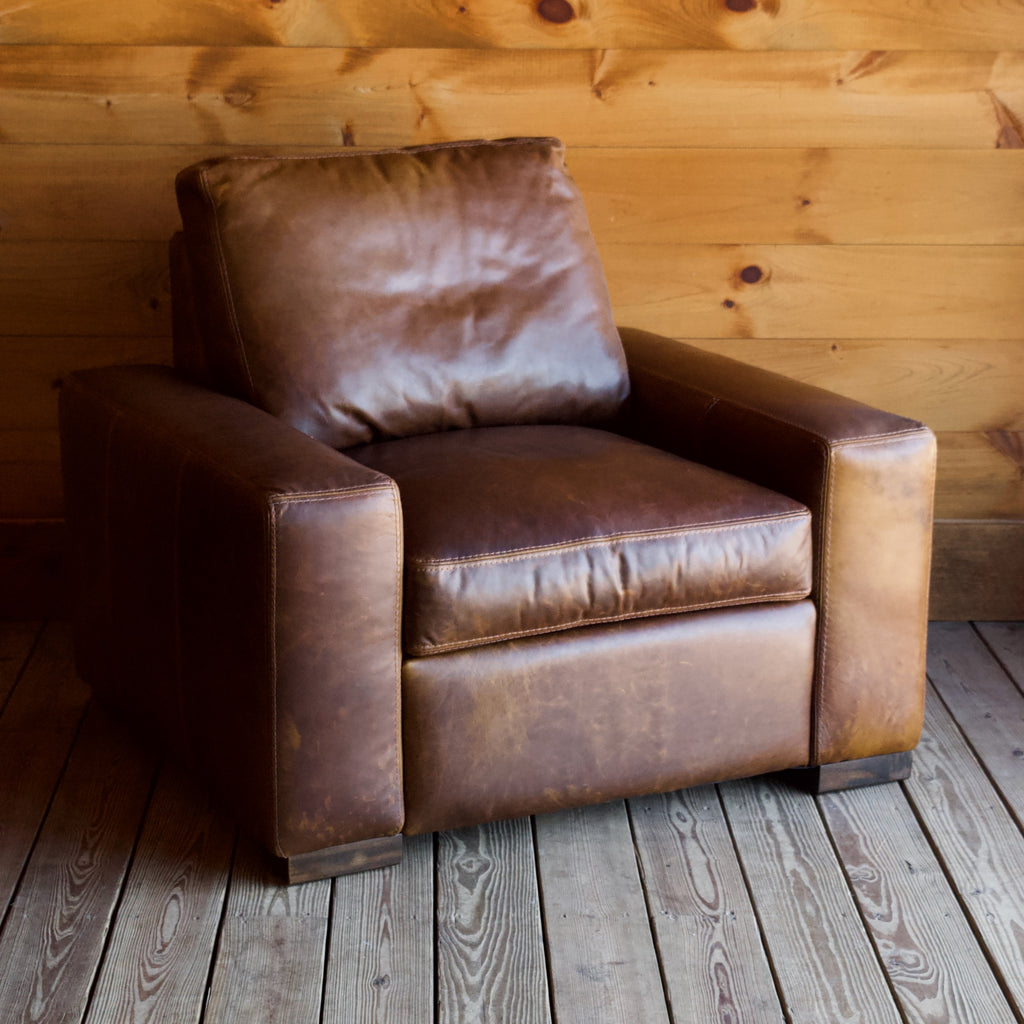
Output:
x=866 y=159
x=818 y=291
x=30 y=485
x=637 y=196
x=34 y=368
x=98 y=289
x=970 y=384
x=981 y=476
x=328 y=97
x=686 y=291
x=771 y=24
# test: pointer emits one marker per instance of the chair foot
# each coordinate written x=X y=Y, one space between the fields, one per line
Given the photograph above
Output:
x=868 y=771
x=342 y=860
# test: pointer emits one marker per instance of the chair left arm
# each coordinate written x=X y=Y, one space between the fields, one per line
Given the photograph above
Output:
x=239 y=598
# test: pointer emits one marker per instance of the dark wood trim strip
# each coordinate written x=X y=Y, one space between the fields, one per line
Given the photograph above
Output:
x=978 y=570
x=342 y=860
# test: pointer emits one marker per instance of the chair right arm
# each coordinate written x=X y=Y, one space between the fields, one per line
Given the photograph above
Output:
x=868 y=478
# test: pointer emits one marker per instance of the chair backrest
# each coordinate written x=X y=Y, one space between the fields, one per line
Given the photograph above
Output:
x=362 y=296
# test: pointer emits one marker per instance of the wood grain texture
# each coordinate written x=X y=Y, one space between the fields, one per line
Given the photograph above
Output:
x=818 y=291
x=16 y=642
x=970 y=385
x=977 y=567
x=979 y=844
x=35 y=367
x=987 y=705
x=391 y=97
x=111 y=289
x=269 y=963
x=800 y=196
x=490 y=954
x=55 y=934
x=1006 y=640
x=37 y=728
x=687 y=291
x=603 y=964
x=923 y=939
x=633 y=195
x=810 y=923
x=30 y=485
x=791 y=24
x=980 y=477
x=380 y=967
x=709 y=945
x=161 y=945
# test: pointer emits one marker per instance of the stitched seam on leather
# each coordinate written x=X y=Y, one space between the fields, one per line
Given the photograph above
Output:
x=176 y=602
x=225 y=282
x=271 y=539
x=825 y=606
x=398 y=771
x=128 y=413
x=278 y=506
x=313 y=496
x=760 y=411
x=522 y=554
x=794 y=595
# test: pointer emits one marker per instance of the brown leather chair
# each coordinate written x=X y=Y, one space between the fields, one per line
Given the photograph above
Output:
x=413 y=538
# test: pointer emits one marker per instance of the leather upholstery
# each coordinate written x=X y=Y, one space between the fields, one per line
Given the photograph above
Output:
x=513 y=531
x=241 y=588
x=605 y=712
x=439 y=313
x=868 y=478
x=361 y=296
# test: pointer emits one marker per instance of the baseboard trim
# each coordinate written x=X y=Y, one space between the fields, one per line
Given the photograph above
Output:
x=977 y=569
x=34 y=569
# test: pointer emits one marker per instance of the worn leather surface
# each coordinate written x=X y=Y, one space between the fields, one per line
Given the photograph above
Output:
x=604 y=712
x=867 y=476
x=240 y=600
x=513 y=531
x=367 y=295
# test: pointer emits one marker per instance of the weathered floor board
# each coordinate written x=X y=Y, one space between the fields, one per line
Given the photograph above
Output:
x=746 y=903
x=925 y=942
x=488 y=914
x=708 y=939
x=826 y=969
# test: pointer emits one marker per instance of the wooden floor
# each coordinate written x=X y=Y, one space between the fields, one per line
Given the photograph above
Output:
x=125 y=899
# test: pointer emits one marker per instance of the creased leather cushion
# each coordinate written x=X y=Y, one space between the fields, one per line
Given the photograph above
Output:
x=521 y=530
x=361 y=296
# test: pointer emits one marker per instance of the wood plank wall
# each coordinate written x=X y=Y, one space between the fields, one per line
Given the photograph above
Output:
x=867 y=158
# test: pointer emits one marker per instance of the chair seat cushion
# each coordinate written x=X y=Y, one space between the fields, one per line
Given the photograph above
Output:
x=515 y=531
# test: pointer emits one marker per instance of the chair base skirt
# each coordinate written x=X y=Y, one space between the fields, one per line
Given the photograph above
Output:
x=867 y=771
x=342 y=860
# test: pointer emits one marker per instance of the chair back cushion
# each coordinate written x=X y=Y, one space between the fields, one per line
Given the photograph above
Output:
x=363 y=296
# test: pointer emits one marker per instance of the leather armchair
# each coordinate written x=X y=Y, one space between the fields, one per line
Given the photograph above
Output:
x=412 y=537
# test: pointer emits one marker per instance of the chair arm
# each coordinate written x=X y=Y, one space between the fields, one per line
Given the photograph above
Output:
x=238 y=594
x=868 y=478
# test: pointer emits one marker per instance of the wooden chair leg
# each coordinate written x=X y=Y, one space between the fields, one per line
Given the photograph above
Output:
x=342 y=860
x=868 y=771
